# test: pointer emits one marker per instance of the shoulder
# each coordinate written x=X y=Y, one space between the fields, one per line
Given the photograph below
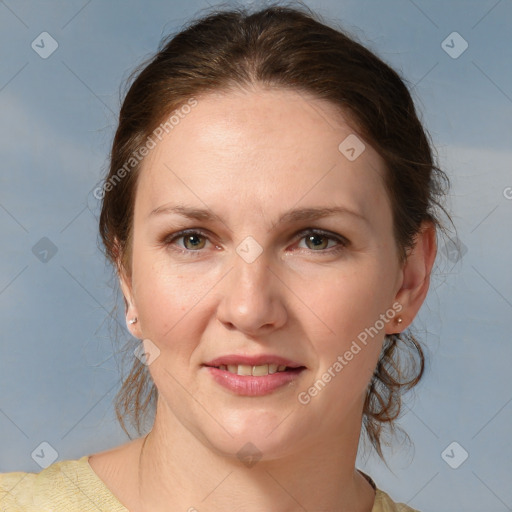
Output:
x=63 y=486
x=383 y=503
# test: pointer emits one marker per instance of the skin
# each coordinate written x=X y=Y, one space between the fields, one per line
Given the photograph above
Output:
x=249 y=157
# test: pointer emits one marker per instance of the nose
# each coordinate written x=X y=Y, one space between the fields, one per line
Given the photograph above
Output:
x=253 y=300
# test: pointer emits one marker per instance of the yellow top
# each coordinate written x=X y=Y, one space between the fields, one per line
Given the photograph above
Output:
x=72 y=485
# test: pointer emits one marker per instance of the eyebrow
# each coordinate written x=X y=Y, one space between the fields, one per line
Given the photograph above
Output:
x=295 y=215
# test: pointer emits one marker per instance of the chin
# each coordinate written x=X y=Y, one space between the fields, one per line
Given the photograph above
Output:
x=262 y=436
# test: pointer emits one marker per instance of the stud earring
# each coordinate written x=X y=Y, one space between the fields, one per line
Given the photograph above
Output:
x=399 y=320
x=132 y=321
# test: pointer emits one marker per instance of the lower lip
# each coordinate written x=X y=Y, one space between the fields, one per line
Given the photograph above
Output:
x=247 y=385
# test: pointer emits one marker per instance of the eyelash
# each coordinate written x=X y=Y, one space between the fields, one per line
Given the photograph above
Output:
x=342 y=241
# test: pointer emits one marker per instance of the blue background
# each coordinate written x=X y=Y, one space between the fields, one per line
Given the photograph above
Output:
x=58 y=368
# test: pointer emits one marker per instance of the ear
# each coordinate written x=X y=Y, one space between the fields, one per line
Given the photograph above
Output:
x=416 y=275
x=131 y=312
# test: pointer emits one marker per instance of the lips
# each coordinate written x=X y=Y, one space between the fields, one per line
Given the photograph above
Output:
x=254 y=375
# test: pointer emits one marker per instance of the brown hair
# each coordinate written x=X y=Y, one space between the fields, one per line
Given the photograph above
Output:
x=291 y=48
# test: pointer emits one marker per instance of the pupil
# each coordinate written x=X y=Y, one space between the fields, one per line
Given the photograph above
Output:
x=312 y=238
x=194 y=240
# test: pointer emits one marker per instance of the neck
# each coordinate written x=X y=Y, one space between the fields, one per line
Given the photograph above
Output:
x=179 y=472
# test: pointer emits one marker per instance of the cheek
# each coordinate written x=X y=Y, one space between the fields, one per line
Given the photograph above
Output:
x=354 y=308
x=348 y=344
x=167 y=299
x=349 y=302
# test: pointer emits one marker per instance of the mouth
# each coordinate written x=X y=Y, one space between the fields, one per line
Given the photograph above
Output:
x=254 y=375
x=260 y=370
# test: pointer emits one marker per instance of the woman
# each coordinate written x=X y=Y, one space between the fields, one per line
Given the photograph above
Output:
x=271 y=212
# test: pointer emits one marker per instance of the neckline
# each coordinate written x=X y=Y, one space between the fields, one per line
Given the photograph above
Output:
x=102 y=486
x=110 y=495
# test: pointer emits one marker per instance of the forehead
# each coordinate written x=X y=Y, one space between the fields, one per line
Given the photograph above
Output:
x=265 y=148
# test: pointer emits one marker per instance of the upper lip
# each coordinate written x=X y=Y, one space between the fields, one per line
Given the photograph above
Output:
x=256 y=360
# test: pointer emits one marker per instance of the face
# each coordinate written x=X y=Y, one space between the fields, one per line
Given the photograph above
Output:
x=288 y=257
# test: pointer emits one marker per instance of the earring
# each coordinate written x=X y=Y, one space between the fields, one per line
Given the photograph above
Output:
x=132 y=321
x=399 y=320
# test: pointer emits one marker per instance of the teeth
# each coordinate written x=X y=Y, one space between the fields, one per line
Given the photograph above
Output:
x=244 y=369
x=258 y=371
x=255 y=371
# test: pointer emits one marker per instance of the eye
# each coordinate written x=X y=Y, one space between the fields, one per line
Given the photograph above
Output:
x=193 y=240
x=317 y=240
